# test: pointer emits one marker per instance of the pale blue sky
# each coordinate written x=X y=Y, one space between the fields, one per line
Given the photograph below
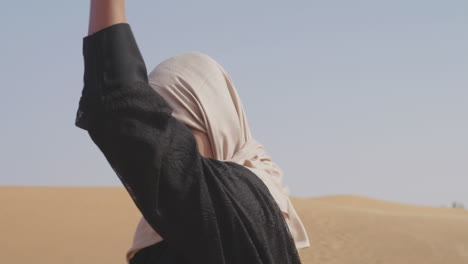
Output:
x=348 y=97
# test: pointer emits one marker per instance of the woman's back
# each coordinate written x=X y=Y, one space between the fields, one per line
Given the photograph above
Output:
x=208 y=211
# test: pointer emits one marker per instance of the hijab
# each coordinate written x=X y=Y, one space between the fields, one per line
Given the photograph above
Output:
x=203 y=97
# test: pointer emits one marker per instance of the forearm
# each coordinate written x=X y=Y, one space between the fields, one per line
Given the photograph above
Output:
x=104 y=13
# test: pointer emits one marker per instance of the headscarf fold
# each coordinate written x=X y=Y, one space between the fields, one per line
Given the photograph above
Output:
x=203 y=97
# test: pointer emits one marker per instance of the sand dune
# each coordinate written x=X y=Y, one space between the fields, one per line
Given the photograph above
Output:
x=56 y=225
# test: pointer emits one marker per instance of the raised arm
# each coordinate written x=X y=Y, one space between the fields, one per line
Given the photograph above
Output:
x=153 y=154
x=210 y=211
x=104 y=13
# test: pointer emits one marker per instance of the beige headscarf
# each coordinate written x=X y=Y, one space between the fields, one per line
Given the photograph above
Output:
x=203 y=97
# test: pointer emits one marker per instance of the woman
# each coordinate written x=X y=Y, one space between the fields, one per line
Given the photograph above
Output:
x=180 y=144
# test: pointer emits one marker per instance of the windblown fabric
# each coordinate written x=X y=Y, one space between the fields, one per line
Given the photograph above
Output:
x=207 y=210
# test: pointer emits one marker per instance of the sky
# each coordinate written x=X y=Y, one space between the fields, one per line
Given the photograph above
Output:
x=348 y=97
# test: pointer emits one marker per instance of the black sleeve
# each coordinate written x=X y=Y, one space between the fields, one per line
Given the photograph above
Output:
x=133 y=127
x=211 y=211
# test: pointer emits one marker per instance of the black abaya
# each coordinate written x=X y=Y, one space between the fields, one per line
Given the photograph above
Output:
x=207 y=211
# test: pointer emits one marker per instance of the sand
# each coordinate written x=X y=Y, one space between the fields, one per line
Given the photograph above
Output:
x=57 y=225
